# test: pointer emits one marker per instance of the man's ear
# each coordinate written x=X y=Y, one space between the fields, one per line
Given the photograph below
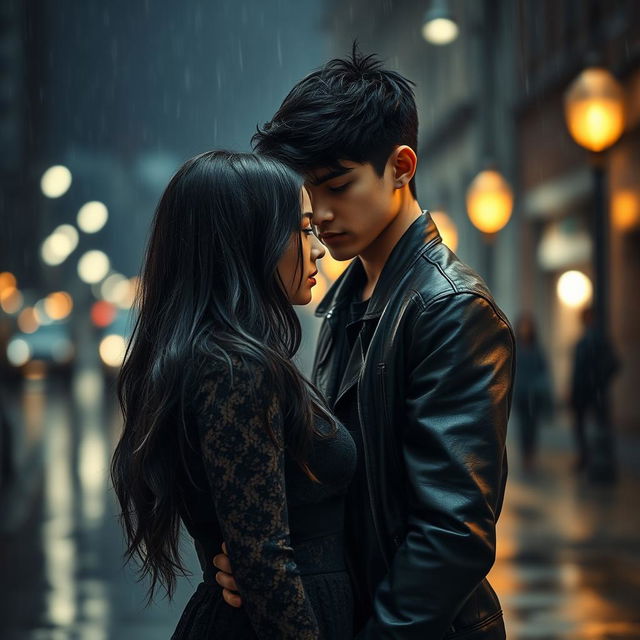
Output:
x=404 y=163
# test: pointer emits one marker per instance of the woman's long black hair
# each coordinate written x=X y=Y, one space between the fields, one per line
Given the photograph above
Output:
x=210 y=289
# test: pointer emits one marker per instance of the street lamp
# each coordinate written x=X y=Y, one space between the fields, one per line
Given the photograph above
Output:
x=489 y=201
x=439 y=27
x=594 y=109
x=594 y=112
x=489 y=205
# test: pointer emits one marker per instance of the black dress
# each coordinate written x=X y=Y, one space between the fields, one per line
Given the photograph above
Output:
x=284 y=532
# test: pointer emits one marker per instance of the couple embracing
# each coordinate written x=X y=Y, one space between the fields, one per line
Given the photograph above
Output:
x=361 y=503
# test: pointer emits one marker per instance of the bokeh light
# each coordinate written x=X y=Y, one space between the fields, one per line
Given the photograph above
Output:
x=18 y=352
x=92 y=216
x=111 y=289
x=112 y=350
x=59 y=245
x=440 y=31
x=574 y=289
x=11 y=300
x=40 y=311
x=594 y=109
x=103 y=313
x=625 y=209
x=489 y=201
x=93 y=266
x=119 y=290
x=7 y=281
x=58 y=305
x=28 y=320
x=55 y=181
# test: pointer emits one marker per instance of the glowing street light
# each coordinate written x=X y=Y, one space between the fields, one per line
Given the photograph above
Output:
x=594 y=109
x=595 y=117
x=439 y=27
x=574 y=289
x=489 y=201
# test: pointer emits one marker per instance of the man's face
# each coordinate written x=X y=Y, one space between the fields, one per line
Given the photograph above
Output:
x=352 y=207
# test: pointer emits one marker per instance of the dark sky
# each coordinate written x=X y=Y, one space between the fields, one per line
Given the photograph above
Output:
x=164 y=75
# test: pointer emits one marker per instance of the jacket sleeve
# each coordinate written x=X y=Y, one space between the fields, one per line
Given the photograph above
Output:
x=245 y=468
x=460 y=370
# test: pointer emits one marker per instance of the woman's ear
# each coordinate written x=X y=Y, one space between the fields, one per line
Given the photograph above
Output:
x=405 y=163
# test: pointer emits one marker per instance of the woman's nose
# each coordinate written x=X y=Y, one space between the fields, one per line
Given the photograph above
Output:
x=318 y=250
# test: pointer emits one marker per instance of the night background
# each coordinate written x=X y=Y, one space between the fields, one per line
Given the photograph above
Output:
x=101 y=102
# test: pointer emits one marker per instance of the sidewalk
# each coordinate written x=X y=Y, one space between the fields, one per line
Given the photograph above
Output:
x=568 y=565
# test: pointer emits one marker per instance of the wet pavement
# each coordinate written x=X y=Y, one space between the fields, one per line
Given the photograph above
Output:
x=568 y=565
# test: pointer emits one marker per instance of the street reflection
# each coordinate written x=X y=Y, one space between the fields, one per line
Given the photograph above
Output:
x=566 y=568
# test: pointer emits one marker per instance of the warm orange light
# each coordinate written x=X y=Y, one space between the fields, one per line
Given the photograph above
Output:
x=625 y=209
x=28 y=321
x=489 y=201
x=594 y=109
x=11 y=300
x=447 y=228
x=58 y=305
x=331 y=267
x=7 y=281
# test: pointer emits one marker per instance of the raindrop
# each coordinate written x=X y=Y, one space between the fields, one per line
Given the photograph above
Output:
x=279 y=47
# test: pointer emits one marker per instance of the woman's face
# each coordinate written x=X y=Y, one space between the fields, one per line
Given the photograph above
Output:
x=299 y=291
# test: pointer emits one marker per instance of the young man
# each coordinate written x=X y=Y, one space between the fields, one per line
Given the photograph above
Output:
x=413 y=356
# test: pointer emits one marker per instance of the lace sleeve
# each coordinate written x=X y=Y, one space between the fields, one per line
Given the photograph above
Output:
x=245 y=469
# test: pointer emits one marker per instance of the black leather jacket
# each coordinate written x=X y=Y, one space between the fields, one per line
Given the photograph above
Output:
x=434 y=392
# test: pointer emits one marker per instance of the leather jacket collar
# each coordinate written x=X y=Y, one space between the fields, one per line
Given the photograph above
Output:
x=421 y=234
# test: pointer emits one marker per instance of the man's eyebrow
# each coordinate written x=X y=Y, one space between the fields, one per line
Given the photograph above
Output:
x=336 y=173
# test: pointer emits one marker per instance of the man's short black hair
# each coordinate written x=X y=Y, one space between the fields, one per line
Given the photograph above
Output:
x=350 y=109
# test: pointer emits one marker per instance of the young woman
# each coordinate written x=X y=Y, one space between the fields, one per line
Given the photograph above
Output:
x=221 y=431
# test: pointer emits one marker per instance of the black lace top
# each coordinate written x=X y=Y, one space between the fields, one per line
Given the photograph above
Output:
x=251 y=494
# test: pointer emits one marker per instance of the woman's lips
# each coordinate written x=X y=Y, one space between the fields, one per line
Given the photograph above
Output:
x=311 y=279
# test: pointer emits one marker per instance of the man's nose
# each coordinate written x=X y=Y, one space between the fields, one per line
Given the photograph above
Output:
x=321 y=215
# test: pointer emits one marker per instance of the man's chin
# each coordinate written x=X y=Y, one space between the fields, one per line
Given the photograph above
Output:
x=342 y=253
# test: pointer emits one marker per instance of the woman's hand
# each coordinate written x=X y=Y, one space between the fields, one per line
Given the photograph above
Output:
x=225 y=578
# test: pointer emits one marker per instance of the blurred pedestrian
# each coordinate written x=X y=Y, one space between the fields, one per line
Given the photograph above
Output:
x=594 y=365
x=533 y=396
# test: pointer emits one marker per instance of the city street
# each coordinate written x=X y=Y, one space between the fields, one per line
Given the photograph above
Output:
x=568 y=563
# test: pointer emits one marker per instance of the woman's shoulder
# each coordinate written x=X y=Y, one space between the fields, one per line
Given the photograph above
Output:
x=235 y=373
